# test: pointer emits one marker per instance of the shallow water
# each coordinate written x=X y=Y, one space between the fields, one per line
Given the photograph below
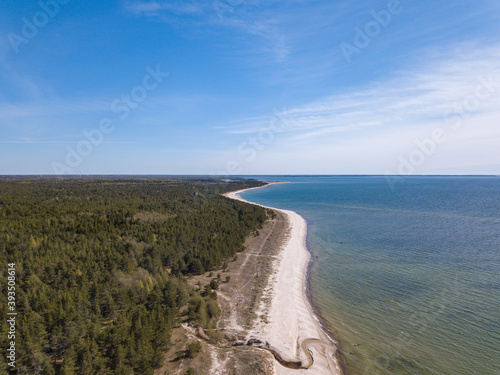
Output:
x=408 y=279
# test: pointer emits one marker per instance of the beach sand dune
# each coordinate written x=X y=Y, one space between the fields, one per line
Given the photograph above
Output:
x=290 y=327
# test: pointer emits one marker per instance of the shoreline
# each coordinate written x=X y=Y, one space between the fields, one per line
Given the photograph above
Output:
x=293 y=328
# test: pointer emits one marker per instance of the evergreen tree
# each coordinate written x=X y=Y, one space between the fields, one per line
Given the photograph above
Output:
x=101 y=266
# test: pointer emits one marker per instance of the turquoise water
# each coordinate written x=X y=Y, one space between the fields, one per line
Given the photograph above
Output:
x=408 y=280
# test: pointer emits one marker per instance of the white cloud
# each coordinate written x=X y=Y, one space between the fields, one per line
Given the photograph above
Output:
x=271 y=44
x=55 y=107
x=39 y=141
x=369 y=128
x=155 y=8
x=275 y=48
x=408 y=98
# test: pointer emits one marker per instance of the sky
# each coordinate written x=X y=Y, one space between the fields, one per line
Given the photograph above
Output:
x=236 y=87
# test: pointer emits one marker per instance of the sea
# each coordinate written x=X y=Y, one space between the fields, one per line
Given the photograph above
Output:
x=405 y=272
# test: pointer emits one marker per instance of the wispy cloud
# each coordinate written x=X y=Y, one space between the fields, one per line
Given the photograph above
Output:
x=158 y=9
x=246 y=18
x=37 y=141
x=408 y=99
x=270 y=31
x=55 y=107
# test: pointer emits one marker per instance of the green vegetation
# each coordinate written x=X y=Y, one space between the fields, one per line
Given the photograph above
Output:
x=102 y=264
x=192 y=349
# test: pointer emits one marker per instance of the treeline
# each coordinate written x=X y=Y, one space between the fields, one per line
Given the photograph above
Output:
x=101 y=266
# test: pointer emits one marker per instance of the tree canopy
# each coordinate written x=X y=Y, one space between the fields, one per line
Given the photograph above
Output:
x=101 y=265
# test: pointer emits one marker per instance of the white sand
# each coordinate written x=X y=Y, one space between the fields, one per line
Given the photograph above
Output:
x=290 y=319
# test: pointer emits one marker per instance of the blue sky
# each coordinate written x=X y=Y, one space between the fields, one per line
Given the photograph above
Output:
x=250 y=87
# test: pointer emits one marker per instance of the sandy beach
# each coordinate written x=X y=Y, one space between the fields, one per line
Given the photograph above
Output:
x=291 y=328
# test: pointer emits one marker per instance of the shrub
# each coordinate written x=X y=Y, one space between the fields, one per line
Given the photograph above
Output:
x=214 y=284
x=192 y=349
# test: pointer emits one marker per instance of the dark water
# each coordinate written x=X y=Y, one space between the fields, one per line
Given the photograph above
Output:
x=409 y=279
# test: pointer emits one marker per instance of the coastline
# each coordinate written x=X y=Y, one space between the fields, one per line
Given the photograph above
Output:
x=292 y=328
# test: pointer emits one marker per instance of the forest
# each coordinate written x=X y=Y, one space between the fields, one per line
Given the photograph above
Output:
x=101 y=266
